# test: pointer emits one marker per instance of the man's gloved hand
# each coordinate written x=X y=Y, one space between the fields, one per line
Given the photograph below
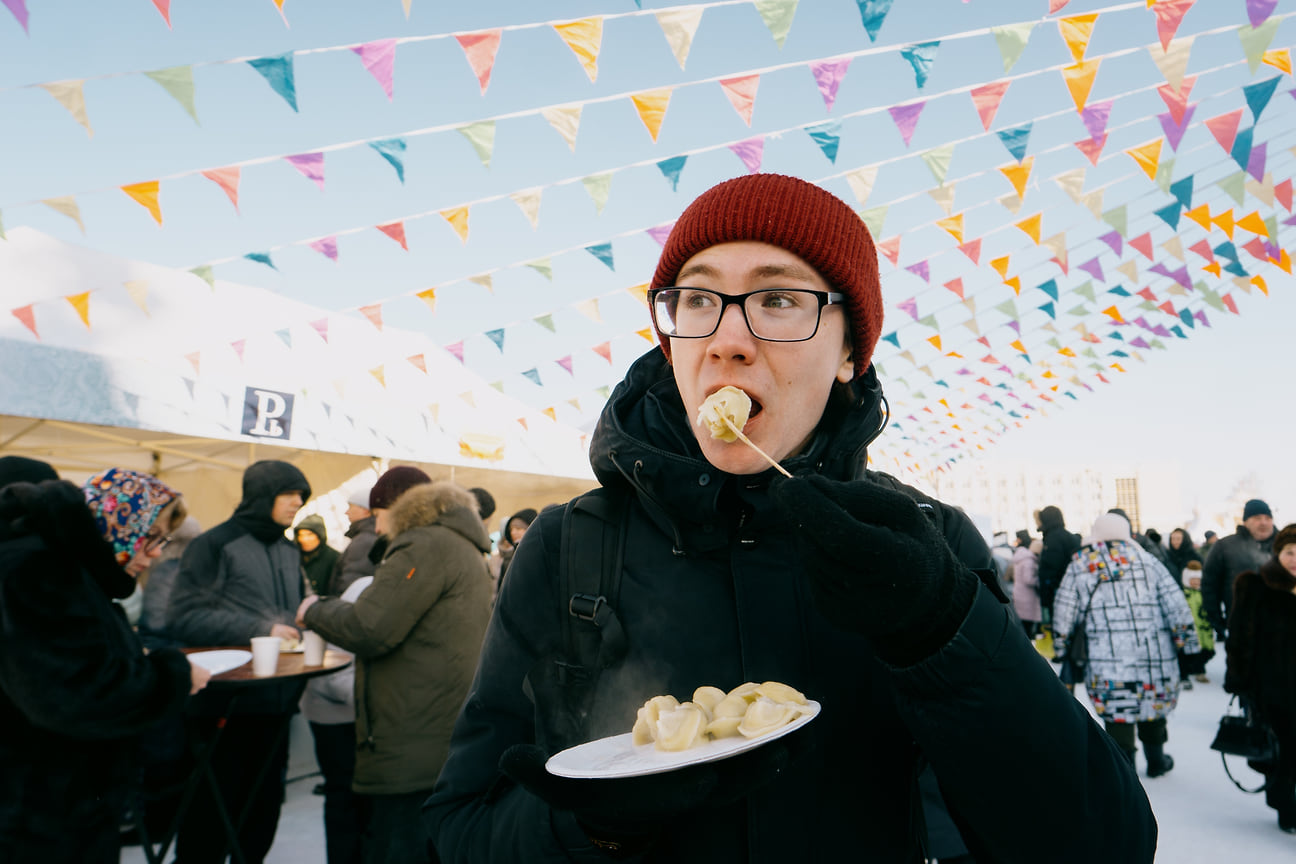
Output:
x=877 y=564
x=631 y=812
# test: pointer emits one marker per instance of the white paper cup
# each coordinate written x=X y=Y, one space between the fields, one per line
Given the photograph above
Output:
x=265 y=655
x=312 y=648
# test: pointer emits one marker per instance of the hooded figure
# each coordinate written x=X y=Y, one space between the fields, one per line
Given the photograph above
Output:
x=76 y=688
x=238 y=580
x=1059 y=545
x=318 y=558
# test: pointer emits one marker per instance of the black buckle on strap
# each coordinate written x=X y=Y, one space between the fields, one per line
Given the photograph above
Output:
x=585 y=606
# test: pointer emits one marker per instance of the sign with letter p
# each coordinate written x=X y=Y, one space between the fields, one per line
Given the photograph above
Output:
x=267 y=413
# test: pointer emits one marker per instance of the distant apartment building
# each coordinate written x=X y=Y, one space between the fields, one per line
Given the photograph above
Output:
x=1007 y=494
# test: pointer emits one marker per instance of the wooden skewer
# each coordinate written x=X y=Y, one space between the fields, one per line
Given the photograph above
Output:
x=728 y=422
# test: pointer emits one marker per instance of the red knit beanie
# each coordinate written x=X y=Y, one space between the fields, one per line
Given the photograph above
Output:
x=394 y=483
x=802 y=218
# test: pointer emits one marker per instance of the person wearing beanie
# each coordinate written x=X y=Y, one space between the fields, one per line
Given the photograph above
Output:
x=1247 y=548
x=1261 y=645
x=1059 y=545
x=361 y=534
x=241 y=579
x=318 y=558
x=485 y=502
x=1137 y=624
x=864 y=594
x=512 y=531
x=78 y=693
x=416 y=632
x=20 y=469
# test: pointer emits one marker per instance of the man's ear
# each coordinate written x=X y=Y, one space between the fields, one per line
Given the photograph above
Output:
x=846 y=371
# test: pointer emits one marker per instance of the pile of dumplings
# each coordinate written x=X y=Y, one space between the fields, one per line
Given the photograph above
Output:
x=750 y=710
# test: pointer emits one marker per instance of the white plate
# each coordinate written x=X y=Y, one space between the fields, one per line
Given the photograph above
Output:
x=616 y=756
x=217 y=662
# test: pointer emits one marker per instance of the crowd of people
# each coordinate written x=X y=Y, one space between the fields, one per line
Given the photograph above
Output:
x=772 y=555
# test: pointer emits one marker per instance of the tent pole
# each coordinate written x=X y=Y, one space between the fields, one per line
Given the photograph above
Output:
x=33 y=427
x=121 y=439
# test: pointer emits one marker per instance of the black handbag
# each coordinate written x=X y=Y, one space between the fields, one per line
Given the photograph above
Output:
x=1075 y=662
x=1246 y=736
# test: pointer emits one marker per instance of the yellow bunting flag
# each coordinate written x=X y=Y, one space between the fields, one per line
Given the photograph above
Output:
x=1259 y=282
x=146 y=195
x=1224 y=221
x=651 y=105
x=484 y=280
x=67 y=205
x=81 y=303
x=551 y=414
x=1147 y=156
x=1001 y=266
x=1015 y=284
x=584 y=37
x=138 y=291
x=640 y=293
x=1253 y=222
x=1019 y=174
x=1279 y=59
x=647 y=334
x=1200 y=215
x=1076 y=32
x=590 y=309
x=566 y=120
x=935 y=341
x=428 y=296
x=679 y=25
x=1114 y=314
x=458 y=219
x=71 y=96
x=1031 y=225
x=1079 y=80
x=954 y=225
x=379 y=376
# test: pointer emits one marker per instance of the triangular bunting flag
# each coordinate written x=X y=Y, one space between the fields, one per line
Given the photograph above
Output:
x=1169 y=13
x=177 y=81
x=480 y=50
x=920 y=57
x=777 y=15
x=529 y=201
x=1147 y=155
x=278 y=73
x=944 y=196
x=428 y=296
x=379 y=57
x=1076 y=32
x=228 y=180
x=311 y=165
x=71 y=96
x=1031 y=227
x=146 y=195
x=1092 y=149
x=651 y=105
x=396 y=231
x=27 y=315
x=584 y=37
x=67 y=205
x=741 y=93
x=938 y=161
x=873 y=13
x=679 y=26
x=1079 y=80
x=326 y=246
x=566 y=120
x=986 y=99
x=750 y=152
x=81 y=303
x=458 y=219
x=1018 y=175
x=1012 y=40
x=1255 y=41
x=906 y=118
x=828 y=136
x=603 y=252
x=482 y=137
x=828 y=75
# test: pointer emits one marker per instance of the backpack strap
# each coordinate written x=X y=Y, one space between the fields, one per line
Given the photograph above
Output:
x=591 y=551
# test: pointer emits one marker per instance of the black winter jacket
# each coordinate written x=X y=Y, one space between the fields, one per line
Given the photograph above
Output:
x=1059 y=545
x=713 y=592
x=1229 y=557
x=76 y=689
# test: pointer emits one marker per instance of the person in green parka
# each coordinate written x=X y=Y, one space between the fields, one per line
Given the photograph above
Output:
x=1192 y=590
x=416 y=632
x=318 y=558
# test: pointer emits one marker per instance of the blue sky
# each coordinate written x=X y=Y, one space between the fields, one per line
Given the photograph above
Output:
x=1185 y=403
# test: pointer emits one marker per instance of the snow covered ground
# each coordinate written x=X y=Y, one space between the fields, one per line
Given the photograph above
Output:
x=1203 y=818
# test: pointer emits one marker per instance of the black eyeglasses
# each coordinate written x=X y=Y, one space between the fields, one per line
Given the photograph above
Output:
x=772 y=314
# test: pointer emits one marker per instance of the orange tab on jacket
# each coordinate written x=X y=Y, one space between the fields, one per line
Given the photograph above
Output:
x=410 y=574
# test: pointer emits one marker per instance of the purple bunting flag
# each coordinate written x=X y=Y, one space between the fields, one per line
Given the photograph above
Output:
x=1113 y=239
x=309 y=164
x=1258 y=11
x=828 y=74
x=1095 y=118
x=750 y=152
x=920 y=270
x=910 y=306
x=659 y=233
x=1174 y=132
x=326 y=246
x=19 y=10
x=1094 y=269
x=1256 y=162
x=906 y=118
x=380 y=59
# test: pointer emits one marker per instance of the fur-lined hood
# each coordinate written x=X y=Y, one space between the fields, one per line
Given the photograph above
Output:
x=442 y=503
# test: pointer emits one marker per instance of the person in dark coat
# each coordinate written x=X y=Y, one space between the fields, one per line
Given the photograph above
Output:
x=1262 y=662
x=354 y=561
x=20 y=469
x=238 y=580
x=1059 y=545
x=416 y=632
x=76 y=688
x=840 y=582
x=318 y=558
x=1247 y=549
x=1180 y=551
x=513 y=530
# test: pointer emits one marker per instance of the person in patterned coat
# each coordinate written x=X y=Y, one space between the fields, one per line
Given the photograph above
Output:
x=1137 y=621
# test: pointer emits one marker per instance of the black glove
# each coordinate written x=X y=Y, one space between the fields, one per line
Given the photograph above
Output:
x=629 y=813
x=1193 y=664
x=877 y=565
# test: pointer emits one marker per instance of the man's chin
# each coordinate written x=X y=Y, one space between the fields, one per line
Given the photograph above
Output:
x=736 y=458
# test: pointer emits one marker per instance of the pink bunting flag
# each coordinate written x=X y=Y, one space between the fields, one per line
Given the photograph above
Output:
x=1094 y=117
x=566 y=363
x=910 y=306
x=379 y=57
x=1143 y=243
x=457 y=349
x=956 y=285
x=19 y=10
x=604 y=350
x=326 y=246
x=750 y=152
x=972 y=249
x=228 y=180
x=311 y=165
x=1056 y=5
x=986 y=99
x=659 y=233
x=828 y=74
x=321 y=327
x=238 y=345
x=1177 y=100
x=27 y=315
x=374 y=313
x=480 y=49
x=906 y=118
x=741 y=93
x=891 y=249
x=1203 y=248
x=1168 y=14
x=164 y=6
x=396 y=231
x=1092 y=149
x=1224 y=128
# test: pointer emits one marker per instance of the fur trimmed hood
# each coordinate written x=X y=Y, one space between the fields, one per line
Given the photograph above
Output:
x=440 y=502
